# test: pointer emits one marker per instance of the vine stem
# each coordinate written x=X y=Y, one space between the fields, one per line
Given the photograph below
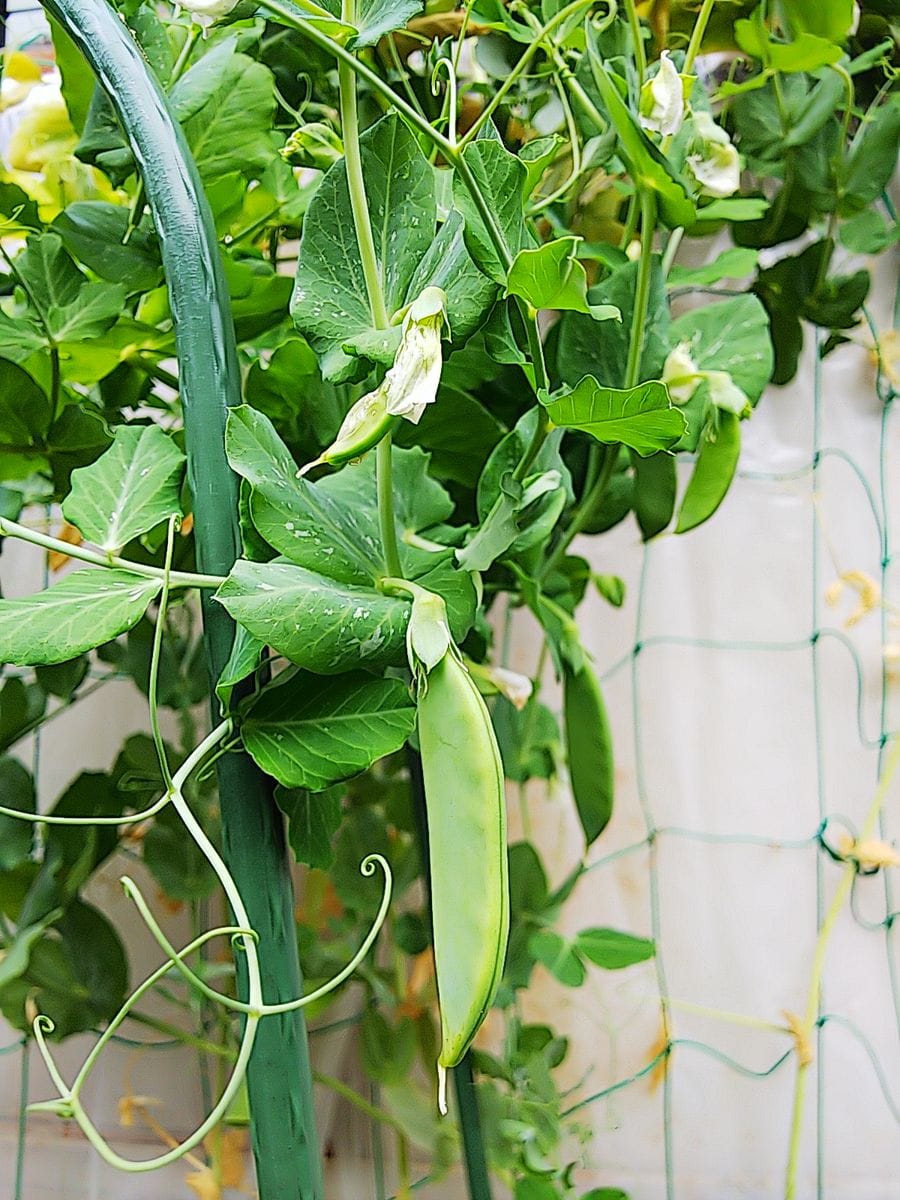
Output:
x=98 y=559
x=838 y=901
x=642 y=287
x=697 y=34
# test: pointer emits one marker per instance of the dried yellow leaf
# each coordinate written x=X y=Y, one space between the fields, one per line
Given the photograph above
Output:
x=867 y=589
x=204 y=1184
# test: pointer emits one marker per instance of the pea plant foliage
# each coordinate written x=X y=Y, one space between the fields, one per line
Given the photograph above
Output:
x=450 y=239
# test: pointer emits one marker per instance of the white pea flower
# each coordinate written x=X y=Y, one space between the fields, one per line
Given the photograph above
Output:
x=680 y=374
x=726 y=394
x=715 y=164
x=207 y=12
x=515 y=687
x=412 y=382
x=662 y=99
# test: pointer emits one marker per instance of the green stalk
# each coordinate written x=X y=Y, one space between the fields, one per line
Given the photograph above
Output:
x=697 y=34
x=283 y=1120
x=642 y=287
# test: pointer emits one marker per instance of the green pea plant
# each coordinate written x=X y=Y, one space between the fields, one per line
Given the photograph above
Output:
x=449 y=240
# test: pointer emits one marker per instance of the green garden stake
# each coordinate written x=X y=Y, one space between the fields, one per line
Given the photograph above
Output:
x=283 y=1121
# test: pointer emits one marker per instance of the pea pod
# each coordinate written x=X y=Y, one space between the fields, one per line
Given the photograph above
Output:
x=364 y=426
x=713 y=473
x=467 y=835
x=589 y=748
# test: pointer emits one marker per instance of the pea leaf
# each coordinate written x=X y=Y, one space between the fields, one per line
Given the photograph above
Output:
x=129 y=490
x=330 y=305
x=16 y=791
x=713 y=472
x=829 y=19
x=641 y=418
x=94 y=232
x=870 y=163
x=559 y=956
x=731 y=336
x=380 y=17
x=583 y=350
x=733 y=263
x=612 y=950
x=297 y=518
x=552 y=277
x=312 y=733
x=449 y=266
x=226 y=103
x=313 y=820
x=314 y=621
x=82 y=611
x=501 y=179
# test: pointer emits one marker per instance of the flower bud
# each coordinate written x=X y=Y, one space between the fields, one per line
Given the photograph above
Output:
x=680 y=374
x=315 y=145
x=207 y=12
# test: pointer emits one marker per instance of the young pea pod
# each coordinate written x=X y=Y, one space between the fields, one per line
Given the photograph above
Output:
x=467 y=834
x=589 y=749
x=466 y=810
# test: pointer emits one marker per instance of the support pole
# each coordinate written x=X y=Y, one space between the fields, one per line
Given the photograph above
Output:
x=279 y=1081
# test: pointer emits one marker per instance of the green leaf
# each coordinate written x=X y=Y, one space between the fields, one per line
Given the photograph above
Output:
x=16 y=791
x=16 y=956
x=528 y=739
x=330 y=305
x=713 y=472
x=589 y=749
x=868 y=233
x=82 y=611
x=94 y=231
x=77 y=77
x=21 y=704
x=612 y=950
x=448 y=265
x=313 y=820
x=226 y=104
x=831 y=19
x=584 y=350
x=387 y=1050
x=63 y=679
x=313 y=733
x=96 y=310
x=129 y=490
x=246 y=652
x=641 y=418
x=612 y=588
x=537 y=155
x=559 y=957
x=552 y=277
x=500 y=177
x=732 y=336
x=458 y=432
x=806 y=52
x=734 y=263
x=868 y=167
x=297 y=518
x=379 y=17
x=316 y=622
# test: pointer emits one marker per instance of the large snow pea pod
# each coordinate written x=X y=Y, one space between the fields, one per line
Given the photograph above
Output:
x=467 y=835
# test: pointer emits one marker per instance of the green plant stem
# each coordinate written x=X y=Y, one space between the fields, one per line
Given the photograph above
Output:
x=153 y=681
x=642 y=287
x=98 y=559
x=387 y=523
x=176 y=1033
x=601 y=465
x=518 y=70
x=637 y=38
x=360 y=1102
x=359 y=205
x=697 y=35
x=838 y=901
